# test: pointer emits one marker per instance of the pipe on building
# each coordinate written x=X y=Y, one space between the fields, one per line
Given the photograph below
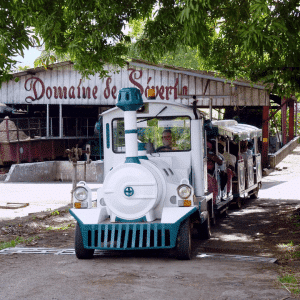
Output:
x=60 y=122
x=47 y=121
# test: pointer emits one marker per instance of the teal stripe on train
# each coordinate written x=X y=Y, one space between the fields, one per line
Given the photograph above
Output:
x=131 y=131
x=130 y=236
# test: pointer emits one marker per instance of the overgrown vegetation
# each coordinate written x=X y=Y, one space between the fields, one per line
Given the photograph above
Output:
x=275 y=123
x=17 y=241
x=290 y=279
x=60 y=228
x=289 y=276
x=55 y=212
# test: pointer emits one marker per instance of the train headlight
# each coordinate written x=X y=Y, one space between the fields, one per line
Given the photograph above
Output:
x=80 y=193
x=184 y=191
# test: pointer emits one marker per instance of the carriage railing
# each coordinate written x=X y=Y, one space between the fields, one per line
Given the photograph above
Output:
x=21 y=129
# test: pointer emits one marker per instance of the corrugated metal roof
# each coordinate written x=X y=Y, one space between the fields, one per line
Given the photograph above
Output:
x=61 y=84
x=198 y=73
x=33 y=71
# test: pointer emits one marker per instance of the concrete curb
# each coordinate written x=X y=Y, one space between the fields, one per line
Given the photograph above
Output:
x=276 y=158
x=51 y=171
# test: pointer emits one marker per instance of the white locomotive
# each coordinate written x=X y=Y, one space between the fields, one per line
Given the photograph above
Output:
x=155 y=187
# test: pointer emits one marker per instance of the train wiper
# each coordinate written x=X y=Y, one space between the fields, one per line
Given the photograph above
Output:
x=151 y=118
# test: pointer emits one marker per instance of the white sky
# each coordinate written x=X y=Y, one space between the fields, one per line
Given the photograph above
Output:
x=29 y=57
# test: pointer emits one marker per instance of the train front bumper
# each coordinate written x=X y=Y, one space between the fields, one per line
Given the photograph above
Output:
x=130 y=236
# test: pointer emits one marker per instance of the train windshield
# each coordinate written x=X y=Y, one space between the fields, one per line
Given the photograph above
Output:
x=165 y=134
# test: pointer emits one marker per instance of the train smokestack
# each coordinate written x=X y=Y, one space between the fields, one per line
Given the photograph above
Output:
x=130 y=100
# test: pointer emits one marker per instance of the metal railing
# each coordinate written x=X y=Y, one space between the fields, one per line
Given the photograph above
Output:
x=17 y=129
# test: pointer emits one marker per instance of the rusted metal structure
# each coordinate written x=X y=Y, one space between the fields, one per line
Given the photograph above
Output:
x=25 y=139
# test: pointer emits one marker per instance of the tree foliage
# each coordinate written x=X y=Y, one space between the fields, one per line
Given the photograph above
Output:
x=22 y=68
x=253 y=39
x=50 y=56
x=90 y=32
x=14 y=38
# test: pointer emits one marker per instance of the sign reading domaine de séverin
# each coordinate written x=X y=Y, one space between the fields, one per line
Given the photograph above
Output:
x=65 y=86
x=61 y=84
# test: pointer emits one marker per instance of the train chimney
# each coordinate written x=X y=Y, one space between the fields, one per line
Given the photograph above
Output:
x=130 y=100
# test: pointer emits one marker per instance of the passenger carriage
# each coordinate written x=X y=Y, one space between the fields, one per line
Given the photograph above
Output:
x=242 y=141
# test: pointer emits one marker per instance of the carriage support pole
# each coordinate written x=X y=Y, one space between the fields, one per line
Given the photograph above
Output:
x=265 y=137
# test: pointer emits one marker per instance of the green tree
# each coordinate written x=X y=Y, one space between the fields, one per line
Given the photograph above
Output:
x=22 y=68
x=49 y=56
x=90 y=32
x=15 y=36
x=254 y=39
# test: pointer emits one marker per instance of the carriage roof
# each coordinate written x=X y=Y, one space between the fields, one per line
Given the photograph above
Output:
x=236 y=131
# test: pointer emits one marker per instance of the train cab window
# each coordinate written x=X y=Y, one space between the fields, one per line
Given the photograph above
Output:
x=165 y=134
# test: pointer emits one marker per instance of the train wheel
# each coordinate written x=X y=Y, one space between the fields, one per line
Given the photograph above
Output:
x=81 y=252
x=204 y=230
x=239 y=202
x=184 y=241
x=213 y=219
x=212 y=215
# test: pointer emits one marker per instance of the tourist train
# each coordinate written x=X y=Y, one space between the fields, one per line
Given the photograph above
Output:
x=167 y=171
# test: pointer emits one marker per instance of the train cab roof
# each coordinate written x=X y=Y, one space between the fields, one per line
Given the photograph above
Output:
x=235 y=131
x=157 y=108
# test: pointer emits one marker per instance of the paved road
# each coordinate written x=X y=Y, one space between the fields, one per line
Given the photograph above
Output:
x=143 y=275
x=139 y=275
x=283 y=184
x=40 y=196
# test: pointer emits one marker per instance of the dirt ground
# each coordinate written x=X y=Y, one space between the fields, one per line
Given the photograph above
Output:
x=45 y=229
x=261 y=228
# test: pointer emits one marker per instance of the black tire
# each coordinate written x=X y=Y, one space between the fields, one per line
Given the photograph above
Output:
x=213 y=219
x=223 y=213
x=238 y=203
x=212 y=215
x=205 y=230
x=81 y=252
x=184 y=241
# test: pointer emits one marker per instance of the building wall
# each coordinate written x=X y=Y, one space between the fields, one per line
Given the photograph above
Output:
x=61 y=84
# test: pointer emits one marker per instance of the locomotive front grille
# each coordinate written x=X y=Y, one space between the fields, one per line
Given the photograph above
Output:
x=129 y=236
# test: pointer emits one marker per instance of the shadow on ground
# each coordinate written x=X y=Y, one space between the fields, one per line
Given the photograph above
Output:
x=256 y=229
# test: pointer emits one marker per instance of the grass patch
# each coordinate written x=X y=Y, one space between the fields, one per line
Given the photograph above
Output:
x=54 y=213
x=288 y=247
x=60 y=228
x=16 y=241
x=290 y=281
x=290 y=250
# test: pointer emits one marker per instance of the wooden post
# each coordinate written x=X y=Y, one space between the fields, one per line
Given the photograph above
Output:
x=265 y=137
x=7 y=128
x=18 y=144
x=291 y=120
x=74 y=181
